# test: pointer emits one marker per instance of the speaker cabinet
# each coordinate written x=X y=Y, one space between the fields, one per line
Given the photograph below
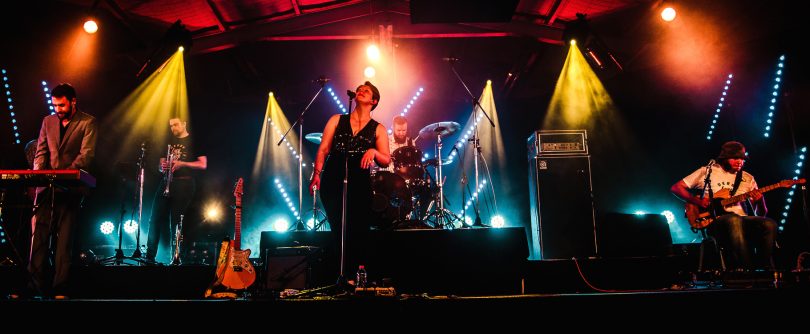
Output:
x=562 y=216
x=290 y=267
x=630 y=235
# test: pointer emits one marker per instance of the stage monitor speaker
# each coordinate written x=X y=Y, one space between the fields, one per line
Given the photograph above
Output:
x=562 y=216
x=631 y=235
x=454 y=11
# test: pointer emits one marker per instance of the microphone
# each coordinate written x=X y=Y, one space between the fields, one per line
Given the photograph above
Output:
x=351 y=94
x=450 y=59
x=711 y=163
x=321 y=80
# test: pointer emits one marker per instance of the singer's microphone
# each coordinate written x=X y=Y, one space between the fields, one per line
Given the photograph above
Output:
x=351 y=94
x=321 y=79
x=450 y=59
x=711 y=163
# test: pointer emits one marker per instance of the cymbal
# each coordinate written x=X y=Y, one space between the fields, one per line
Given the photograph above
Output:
x=435 y=162
x=314 y=137
x=439 y=129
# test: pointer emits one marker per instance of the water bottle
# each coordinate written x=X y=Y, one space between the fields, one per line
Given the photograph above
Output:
x=362 y=277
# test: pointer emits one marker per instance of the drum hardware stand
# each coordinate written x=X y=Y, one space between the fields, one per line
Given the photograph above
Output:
x=442 y=217
x=299 y=224
x=317 y=223
x=474 y=140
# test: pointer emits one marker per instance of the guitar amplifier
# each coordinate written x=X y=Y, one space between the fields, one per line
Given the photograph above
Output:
x=544 y=143
x=290 y=267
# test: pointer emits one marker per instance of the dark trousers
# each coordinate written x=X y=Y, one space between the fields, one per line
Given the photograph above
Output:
x=53 y=229
x=748 y=240
x=166 y=213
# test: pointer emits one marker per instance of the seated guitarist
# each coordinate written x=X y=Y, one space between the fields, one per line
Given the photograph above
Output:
x=747 y=240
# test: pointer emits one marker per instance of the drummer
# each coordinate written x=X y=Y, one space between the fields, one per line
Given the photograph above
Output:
x=399 y=138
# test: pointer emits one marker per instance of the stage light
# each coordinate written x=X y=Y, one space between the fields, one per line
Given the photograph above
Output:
x=369 y=72
x=212 y=212
x=668 y=14
x=373 y=53
x=130 y=226
x=281 y=225
x=669 y=215
x=107 y=227
x=639 y=213
x=497 y=221
x=90 y=26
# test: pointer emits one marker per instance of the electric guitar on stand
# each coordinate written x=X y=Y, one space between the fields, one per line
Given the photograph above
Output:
x=234 y=270
x=700 y=218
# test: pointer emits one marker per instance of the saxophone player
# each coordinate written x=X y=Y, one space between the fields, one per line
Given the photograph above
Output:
x=182 y=162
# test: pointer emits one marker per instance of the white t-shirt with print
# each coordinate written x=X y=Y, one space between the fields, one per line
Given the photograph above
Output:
x=720 y=179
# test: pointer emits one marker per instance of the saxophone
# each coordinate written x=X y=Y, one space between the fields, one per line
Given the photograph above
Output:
x=167 y=172
x=178 y=238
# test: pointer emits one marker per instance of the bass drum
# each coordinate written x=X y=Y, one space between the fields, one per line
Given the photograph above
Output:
x=391 y=200
x=408 y=162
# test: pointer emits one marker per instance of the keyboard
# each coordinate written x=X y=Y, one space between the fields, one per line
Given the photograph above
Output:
x=45 y=177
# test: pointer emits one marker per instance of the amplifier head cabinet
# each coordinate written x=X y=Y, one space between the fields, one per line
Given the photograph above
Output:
x=558 y=143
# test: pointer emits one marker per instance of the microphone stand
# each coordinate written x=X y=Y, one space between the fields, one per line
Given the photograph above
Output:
x=118 y=258
x=299 y=224
x=137 y=253
x=341 y=284
x=474 y=139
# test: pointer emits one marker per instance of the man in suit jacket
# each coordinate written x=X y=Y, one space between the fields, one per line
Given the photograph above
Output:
x=67 y=140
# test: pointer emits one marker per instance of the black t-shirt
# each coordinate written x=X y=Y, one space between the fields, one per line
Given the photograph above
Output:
x=186 y=151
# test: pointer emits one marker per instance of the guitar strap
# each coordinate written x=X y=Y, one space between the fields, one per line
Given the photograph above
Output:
x=737 y=182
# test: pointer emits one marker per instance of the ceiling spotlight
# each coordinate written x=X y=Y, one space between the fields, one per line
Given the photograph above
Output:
x=668 y=14
x=90 y=26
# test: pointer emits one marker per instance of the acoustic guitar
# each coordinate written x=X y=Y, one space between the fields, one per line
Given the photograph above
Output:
x=700 y=218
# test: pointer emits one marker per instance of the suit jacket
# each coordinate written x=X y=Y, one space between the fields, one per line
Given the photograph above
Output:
x=75 y=151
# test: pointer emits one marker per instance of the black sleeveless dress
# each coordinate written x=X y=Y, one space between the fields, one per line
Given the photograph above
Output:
x=345 y=155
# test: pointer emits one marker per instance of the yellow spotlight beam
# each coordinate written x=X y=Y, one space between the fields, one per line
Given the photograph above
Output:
x=145 y=113
x=580 y=101
x=492 y=146
x=271 y=159
x=578 y=97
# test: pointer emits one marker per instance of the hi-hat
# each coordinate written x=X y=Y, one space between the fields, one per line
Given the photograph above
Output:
x=439 y=129
x=314 y=137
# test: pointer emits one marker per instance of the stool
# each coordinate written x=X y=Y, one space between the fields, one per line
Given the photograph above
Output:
x=718 y=250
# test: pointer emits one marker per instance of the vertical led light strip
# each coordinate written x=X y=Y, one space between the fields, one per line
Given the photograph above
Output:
x=797 y=172
x=466 y=134
x=287 y=142
x=777 y=83
x=411 y=102
x=720 y=104
x=14 y=127
x=408 y=107
x=287 y=198
x=47 y=92
x=337 y=100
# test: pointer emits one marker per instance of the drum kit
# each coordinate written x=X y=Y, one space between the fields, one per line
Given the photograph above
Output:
x=410 y=196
